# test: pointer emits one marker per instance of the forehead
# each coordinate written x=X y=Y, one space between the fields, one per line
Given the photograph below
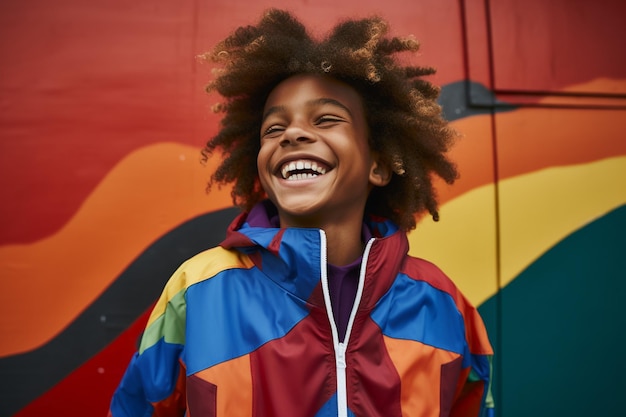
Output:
x=306 y=89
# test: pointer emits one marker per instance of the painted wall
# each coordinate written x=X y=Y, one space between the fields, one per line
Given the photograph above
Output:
x=103 y=114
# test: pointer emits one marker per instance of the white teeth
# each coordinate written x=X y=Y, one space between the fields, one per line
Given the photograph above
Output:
x=288 y=169
x=296 y=177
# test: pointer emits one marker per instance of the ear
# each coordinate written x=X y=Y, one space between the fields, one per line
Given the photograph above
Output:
x=380 y=174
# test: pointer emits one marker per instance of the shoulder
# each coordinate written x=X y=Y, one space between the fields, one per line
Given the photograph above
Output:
x=207 y=264
x=203 y=266
x=423 y=270
x=214 y=261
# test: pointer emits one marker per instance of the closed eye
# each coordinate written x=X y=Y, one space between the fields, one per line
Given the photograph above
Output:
x=328 y=119
x=273 y=130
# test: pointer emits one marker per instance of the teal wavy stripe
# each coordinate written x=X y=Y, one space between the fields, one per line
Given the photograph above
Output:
x=561 y=324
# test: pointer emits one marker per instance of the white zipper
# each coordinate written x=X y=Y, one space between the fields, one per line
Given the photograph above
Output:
x=341 y=347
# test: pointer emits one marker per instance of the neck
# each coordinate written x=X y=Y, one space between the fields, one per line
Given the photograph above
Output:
x=344 y=245
x=344 y=241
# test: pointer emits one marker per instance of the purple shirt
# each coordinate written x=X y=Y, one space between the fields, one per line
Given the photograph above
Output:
x=343 y=282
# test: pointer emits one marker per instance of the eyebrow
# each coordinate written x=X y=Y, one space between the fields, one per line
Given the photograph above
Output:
x=311 y=103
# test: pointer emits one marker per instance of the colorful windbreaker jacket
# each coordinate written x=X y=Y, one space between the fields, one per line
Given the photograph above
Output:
x=245 y=329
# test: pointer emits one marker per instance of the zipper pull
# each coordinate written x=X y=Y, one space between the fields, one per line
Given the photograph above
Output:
x=341 y=356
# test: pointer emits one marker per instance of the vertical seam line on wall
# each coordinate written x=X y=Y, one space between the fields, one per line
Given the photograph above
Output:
x=496 y=173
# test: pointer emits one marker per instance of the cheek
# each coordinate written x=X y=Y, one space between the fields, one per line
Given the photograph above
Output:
x=262 y=163
x=261 y=159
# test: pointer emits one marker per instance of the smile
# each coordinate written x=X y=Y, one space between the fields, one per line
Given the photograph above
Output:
x=301 y=169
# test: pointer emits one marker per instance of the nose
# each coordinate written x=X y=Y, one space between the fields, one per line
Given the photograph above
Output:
x=295 y=135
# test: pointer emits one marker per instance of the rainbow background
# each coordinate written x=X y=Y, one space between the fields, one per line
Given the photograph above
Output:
x=103 y=115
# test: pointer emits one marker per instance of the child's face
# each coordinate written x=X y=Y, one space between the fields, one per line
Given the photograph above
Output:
x=315 y=163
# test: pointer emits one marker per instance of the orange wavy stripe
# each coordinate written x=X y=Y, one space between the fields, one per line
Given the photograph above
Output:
x=47 y=284
x=530 y=139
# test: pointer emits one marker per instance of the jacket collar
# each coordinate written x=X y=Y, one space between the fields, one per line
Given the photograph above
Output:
x=293 y=257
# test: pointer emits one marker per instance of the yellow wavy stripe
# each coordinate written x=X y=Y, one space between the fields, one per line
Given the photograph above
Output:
x=463 y=242
x=45 y=285
x=537 y=210
x=540 y=210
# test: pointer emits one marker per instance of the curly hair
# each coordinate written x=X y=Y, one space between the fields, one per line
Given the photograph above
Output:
x=406 y=127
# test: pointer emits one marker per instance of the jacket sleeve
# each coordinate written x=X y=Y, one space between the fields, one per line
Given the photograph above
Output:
x=474 y=398
x=154 y=382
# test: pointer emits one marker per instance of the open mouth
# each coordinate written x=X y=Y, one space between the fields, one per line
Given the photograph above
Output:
x=302 y=169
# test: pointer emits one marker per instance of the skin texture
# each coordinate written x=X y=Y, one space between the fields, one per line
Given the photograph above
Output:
x=319 y=120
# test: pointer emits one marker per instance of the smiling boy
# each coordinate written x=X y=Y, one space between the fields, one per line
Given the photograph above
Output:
x=312 y=305
x=317 y=121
